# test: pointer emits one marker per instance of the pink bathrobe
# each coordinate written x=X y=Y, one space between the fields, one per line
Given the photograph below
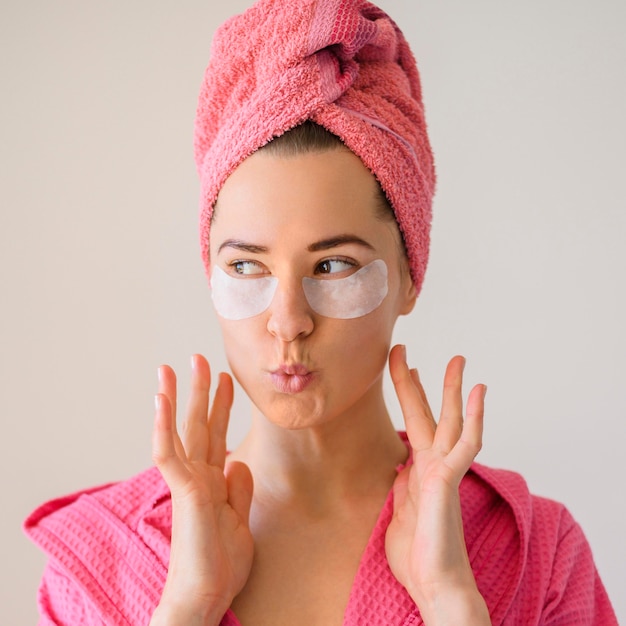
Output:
x=109 y=549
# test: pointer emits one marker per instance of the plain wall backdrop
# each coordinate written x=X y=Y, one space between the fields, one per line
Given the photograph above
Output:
x=101 y=278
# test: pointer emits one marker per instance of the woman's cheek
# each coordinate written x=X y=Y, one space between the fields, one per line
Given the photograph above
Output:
x=240 y=346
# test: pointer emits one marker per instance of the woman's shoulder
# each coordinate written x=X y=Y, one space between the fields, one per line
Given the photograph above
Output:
x=499 y=501
x=530 y=558
x=486 y=487
x=528 y=553
x=135 y=513
x=128 y=500
x=107 y=547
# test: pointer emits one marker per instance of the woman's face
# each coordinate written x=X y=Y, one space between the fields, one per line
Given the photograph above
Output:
x=307 y=216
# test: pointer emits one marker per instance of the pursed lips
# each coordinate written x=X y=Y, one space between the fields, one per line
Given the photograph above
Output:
x=291 y=378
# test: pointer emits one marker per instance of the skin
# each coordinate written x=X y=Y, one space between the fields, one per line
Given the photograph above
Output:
x=304 y=449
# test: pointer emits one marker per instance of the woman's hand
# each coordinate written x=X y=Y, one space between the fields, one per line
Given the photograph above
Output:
x=425 y=543
x=212 y=548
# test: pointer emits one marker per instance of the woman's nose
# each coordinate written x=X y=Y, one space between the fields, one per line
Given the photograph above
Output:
x=290 y=315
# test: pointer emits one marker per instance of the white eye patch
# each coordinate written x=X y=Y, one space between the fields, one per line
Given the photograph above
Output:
x=350 y=297
x=341 y=298
x=239 y=298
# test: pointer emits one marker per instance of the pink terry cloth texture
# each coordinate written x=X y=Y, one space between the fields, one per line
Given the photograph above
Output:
x=345 y=65
x=109 y=548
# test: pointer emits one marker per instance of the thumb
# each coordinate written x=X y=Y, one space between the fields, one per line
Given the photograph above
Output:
x=240 y=487
x=400 y=489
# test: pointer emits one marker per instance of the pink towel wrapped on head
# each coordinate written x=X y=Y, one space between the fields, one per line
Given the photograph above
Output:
x=344 y=64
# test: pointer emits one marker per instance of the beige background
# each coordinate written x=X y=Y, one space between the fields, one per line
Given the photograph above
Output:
x=101 y=278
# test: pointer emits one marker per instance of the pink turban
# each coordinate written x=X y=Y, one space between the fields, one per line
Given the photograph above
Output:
x=345 y=65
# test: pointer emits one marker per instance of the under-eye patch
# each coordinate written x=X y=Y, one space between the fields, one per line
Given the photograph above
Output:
x=350 y=297
x=239 y=298
x=340 y=298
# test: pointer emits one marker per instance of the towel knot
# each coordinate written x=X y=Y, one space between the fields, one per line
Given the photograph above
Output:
x=345 y=34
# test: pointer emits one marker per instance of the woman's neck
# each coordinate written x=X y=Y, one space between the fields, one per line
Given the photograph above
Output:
x=346 y=459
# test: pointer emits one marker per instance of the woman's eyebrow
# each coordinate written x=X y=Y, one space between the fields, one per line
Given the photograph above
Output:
x=323 y=244
x=237 y=244
x=339 y=240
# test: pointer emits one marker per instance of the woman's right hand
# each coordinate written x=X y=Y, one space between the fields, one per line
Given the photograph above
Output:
x=212 y=547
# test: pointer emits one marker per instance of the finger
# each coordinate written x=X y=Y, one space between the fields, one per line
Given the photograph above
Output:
x=164 y=455
x=195 y=426
x=418 y=384
x=471 y=439
x=218 y=420
x=167 y=387
x=451 y=418
x=419 y=424
x=240 y=488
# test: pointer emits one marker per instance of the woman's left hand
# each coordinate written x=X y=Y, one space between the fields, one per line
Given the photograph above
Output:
x=425 y=544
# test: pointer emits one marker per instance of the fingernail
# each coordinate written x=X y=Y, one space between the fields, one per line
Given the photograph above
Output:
x=157 y=402
x=484 y=391
x=193 y=362
x=403 y=352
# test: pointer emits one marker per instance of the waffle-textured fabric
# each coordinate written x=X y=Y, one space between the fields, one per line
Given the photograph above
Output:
x=109 y=548
x=345 y=65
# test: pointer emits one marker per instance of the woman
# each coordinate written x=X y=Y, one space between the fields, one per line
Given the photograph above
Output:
x=317 y=182
x=322 y=447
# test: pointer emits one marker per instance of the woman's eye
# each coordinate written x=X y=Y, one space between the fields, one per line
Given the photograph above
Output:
x=333 y=266
x=246 y=268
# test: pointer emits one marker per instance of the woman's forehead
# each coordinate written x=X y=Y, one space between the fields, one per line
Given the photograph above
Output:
x=328 y=191
x=329 y=177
